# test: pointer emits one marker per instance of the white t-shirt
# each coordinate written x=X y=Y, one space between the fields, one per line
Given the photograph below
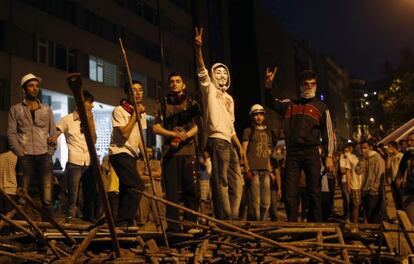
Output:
x=70 y=126
x=350 y=161
x=218 y=109
x=120 y=118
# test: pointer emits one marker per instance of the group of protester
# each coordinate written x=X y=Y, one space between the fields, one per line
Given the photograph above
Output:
x=247 y=179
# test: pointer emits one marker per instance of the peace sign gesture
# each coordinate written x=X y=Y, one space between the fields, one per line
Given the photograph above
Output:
x=270 y=75
x=198 y=39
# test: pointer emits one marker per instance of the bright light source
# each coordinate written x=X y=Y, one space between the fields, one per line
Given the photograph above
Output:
x=372 y=119
x=375 y=93
x=365 y=95
x=367 y=103
x=349 y=141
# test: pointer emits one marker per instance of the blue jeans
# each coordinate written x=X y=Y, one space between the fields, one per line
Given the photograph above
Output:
x=258 y=196
x=226 y=179
x=39 y=167
x=76 y=173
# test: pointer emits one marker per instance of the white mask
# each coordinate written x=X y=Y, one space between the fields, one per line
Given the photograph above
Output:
x=220 y=76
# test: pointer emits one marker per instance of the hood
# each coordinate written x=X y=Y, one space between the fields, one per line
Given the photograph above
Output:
x=213 y=79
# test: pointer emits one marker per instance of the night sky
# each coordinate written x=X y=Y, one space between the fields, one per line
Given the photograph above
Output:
x=359 y=34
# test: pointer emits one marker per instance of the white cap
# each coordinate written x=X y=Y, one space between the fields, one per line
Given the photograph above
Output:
x=256 y=108
x=28 y=77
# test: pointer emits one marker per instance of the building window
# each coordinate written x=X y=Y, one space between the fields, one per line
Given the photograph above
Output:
x=42 y=50
x=4 y=95
x=103 y=71
x=72 y=60
x=2 y=35
x=61 y=57
x=95 y=69
x=151 y=88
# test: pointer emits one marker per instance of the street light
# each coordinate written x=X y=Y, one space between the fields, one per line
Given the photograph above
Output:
x=372 y=120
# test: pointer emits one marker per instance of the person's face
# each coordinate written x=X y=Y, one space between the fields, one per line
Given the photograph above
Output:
x=138 y=92
x=177 y=85
x=221 y=75
x=365 y=149
x=410 y=140
x=390 y=149
x=32 y=89
x=258 y=118
x=347 y=150
x=308 y=85
x=150 y=153
x=88 y=105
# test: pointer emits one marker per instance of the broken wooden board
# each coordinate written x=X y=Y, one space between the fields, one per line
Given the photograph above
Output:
x=396 y=242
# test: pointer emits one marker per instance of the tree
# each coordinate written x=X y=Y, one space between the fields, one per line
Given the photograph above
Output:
x=398 y=99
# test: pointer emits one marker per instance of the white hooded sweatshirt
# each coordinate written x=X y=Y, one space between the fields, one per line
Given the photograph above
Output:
x=218 y=105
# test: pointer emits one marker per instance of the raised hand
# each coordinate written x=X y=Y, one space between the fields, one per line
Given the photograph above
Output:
x=198 y=39
x=270 y=75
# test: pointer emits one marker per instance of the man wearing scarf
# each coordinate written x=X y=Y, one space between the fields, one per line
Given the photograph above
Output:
x=306 y=121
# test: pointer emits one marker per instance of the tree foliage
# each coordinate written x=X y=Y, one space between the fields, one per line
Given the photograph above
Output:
x=398 y=99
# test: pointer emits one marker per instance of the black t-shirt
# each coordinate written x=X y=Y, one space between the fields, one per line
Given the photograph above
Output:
x=180 y=116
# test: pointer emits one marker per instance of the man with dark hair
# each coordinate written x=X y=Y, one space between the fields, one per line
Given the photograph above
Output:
x=78 y=167
x=372 y=168
x=403 y=145
x=179 y=128
x=307 y=120
x=30 y=125
x=124 y=150
x=391 y=169
x=405 y=178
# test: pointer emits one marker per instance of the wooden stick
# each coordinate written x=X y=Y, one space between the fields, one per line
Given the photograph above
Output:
x=342 y=242
x=131 y=94
x=75 y=84
x=17 y=226
x=20 y=256
x=32 y=224
x=46 y=214
x=84 y=245
x=9 y=214
x=316 y=256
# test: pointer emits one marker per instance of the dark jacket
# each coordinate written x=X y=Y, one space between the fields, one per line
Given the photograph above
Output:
x=306 y=121
x=406 y=169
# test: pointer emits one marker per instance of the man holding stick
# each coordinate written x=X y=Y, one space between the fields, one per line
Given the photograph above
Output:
x=124 y=150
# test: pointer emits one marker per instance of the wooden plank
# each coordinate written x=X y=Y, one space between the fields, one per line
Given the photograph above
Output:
x=389 y=203
x=344 y=251
x=396 y=242
x=405 y=224
x=84 y=245
x=200 y=251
